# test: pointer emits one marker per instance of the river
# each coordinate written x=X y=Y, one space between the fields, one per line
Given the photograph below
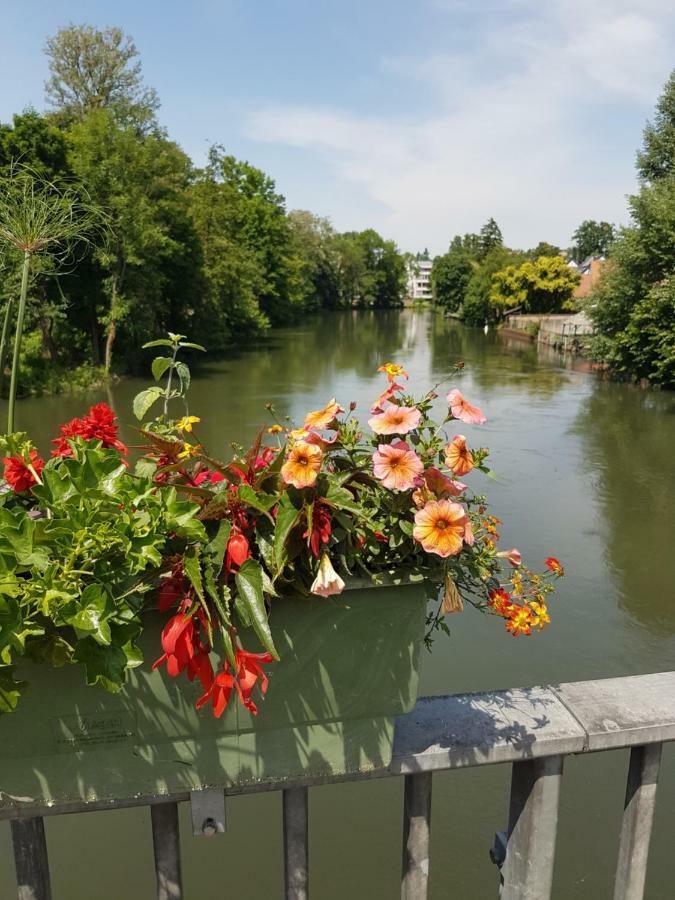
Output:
x=585 y=470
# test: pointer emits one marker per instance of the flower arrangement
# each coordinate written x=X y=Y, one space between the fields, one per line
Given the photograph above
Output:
x=86 y=544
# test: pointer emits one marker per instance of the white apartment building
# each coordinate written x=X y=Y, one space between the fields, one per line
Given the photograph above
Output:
x=419 y=279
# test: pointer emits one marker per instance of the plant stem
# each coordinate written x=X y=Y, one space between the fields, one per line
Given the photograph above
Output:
x=13 y=384
x=167 y=393
x=3 y=339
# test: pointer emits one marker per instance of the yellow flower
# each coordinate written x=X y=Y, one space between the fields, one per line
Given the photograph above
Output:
x=302 y=465
x=540 y=616
x=189 y=450
x=186 y=423
x=275 y=429
x=393 y=370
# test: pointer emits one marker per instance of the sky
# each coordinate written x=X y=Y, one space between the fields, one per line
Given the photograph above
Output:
x=420 y=118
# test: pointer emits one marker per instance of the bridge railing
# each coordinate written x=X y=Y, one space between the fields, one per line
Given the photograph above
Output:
x=533 y=729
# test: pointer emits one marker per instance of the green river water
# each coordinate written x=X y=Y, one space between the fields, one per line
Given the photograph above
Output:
x=585 y=471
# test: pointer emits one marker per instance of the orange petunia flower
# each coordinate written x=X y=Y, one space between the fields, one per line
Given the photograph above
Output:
x=463 y=410
x=302 y=465
x=322 y=418
x=441 y=485
x=391 y=389
x=396 y=420
x=397 y=466
x=514 y=556
x=520 y=621
x=440 y=527
x=458 y=457
x=393 y=370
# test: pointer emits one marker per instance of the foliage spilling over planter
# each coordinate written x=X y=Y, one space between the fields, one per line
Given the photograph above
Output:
x=86 y=543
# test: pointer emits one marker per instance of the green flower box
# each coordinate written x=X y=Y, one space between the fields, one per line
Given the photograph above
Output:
x=349 y=665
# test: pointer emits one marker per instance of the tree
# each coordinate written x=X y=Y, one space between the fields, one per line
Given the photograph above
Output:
x=490 y=237
x=450 y=276
x=93 y=69
x=34 y=142
x=632 y=306
x=372 y=271
x=657 y=158
x=543 y=248
x=477 y=309
x=141 y=182
x=313 y=241
x=544 y=286
x=592 y=239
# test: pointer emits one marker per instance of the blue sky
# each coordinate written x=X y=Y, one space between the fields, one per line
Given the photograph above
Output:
x=421 y=119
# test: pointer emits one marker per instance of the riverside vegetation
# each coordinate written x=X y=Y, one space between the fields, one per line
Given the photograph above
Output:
x=211 y=249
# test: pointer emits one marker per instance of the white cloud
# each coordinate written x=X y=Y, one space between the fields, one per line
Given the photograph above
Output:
x=517 y=127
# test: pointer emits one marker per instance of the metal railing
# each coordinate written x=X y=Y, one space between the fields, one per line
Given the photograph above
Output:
x=531 y=728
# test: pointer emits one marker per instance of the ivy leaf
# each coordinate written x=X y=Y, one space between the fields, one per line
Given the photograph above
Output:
x=144 y=400
x=10 y=690
x=104 y=665
x=249 y=581
x=159 y=366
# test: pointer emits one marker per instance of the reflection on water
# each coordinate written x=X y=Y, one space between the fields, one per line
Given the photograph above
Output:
x=584 y=470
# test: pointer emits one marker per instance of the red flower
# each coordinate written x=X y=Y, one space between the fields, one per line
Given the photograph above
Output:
x=554 y=565
x=264 y=460
x=237 y=550
x=172 y=589
x=500 y=601
x=321 y=529
x=17 y=474
x=249 y=671
x=205 y=475
x=218 y=692
x=184 y=650
x=97 y=425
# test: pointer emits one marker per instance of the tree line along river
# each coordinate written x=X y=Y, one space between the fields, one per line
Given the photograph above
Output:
x=585 y=470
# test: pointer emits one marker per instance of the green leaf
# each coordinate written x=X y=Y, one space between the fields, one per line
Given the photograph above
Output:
x=183 y=372
x=287 y=518
x=256 y=499
x=144 y=400
x=406 y=526
x=342 y=498
x=104 y=665
x=161 y=342
x=193 y=571
x=192 y=346
x=10 y=690
x=249 y=583
x=218 y=545
x=159 y=366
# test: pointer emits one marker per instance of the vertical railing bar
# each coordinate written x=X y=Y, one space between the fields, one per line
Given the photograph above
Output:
x=638 y=816
x=416 y=834
x=166 y=844
x=296 y=843
x=527 y=872
x=30 y=859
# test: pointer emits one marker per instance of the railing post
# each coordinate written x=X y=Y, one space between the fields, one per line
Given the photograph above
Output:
x=166 y=843
x=533 y=822
x=638 y=815
x=416 y=832
x=296 y=843
x=30 y=859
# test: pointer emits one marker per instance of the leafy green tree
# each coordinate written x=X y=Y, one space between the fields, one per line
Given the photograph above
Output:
x=34 y=142
x=490 y=237
x=592 y=239
x=313 y=240
x=657 y=158
x=372 y=270
x=450 y=276
x=93 y=69
x=632 y=305
x=545 y=285
x=543 y=248
x=145 y=274
x=477 y=308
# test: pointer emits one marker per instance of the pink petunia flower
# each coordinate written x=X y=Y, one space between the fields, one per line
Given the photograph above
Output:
x=463 y=410
x=397 y=466
x=396 y=420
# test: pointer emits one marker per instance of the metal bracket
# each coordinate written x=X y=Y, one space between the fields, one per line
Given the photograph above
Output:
x=498 y=849
x=208 y=812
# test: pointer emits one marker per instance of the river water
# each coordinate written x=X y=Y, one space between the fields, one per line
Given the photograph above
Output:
x=585 y=470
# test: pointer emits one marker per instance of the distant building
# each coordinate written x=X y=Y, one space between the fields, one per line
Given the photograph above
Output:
x=589 y=270
x=419 y=279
